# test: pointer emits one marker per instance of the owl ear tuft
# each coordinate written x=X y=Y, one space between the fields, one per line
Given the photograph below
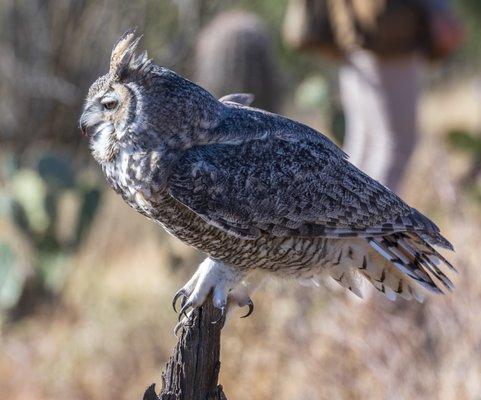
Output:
x=123 y=52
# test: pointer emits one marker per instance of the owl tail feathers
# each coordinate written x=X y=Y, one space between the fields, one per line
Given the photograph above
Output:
x=401 y=264
x=413 y=260
x=386 y=278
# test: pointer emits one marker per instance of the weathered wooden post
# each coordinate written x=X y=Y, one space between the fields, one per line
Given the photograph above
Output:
x=193 y=369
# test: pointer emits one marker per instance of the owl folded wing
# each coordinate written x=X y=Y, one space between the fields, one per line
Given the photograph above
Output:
x=279 y=187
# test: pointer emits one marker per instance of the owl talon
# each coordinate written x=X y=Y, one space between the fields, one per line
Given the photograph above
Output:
x=177 y=328
x=180 y=294
x=251 y=308
x=183 y=310
x=181 y=324
x=222 y=315
x=183 y=301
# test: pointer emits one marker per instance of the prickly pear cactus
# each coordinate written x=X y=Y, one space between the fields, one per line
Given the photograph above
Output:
x=53 y=206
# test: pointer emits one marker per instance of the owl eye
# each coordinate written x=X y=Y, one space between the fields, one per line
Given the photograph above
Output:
x=110 y=104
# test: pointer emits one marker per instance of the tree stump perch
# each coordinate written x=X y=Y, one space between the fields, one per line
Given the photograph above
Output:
x=193 y=369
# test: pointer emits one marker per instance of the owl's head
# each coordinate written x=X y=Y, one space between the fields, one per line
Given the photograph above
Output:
x=142 y=107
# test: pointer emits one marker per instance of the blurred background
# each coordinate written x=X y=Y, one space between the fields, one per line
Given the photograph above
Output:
x=86 y=282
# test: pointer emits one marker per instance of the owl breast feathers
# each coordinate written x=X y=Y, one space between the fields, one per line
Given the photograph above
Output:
x=252 y=189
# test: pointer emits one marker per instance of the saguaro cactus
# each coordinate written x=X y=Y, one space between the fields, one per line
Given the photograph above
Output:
x=234 y=54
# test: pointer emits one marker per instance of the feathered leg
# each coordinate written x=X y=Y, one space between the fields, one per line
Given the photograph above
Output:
x=226 y=283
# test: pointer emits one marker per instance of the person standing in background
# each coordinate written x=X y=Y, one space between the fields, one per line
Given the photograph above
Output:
x=382 y=45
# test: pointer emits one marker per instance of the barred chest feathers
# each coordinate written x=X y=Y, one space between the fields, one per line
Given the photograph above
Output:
x=134 y=175
x=130 y=175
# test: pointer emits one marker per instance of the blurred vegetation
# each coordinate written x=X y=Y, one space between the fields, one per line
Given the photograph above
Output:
x=469 y=145
x=53 y=207
x=469 y=55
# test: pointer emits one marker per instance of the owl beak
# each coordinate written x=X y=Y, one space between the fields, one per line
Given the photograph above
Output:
x=83 y=129
x=83 y=125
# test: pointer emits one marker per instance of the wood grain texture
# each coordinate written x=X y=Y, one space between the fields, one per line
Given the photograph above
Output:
x=193 y=369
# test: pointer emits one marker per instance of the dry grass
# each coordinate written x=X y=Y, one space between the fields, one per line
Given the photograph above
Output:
x=113 y=331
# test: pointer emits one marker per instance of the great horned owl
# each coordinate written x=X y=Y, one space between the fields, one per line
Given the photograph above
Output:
x=253 y=190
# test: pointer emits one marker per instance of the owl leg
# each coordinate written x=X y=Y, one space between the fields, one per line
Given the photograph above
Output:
x=224 y=281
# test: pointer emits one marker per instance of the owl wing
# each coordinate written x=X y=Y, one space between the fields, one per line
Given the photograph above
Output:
x=243 y=99
x=276 y=186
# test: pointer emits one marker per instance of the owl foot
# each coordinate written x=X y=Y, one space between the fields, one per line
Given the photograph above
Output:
x=223 y=281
